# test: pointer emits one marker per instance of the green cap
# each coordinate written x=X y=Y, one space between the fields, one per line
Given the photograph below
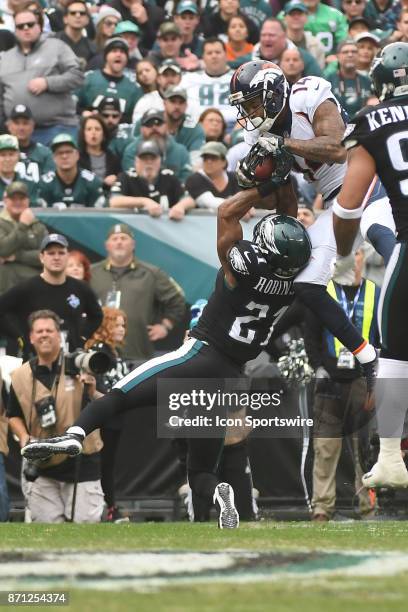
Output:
x=126 y=26
x=217 y=149
x=121 y=228
x=8 y=142
x=63 y=139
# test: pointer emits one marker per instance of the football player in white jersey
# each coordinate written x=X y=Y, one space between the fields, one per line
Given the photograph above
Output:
x=209 y=88
x=305 y=122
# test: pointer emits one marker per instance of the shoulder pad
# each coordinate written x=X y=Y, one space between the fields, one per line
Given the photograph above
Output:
x=242 y=258
x=48 y=177
x=87 y=175
x=308 y=93
x=167 y=171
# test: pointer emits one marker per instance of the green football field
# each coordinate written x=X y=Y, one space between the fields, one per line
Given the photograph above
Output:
x=177 y=567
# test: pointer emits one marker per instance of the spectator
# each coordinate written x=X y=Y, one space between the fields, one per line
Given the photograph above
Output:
x=237 y=46
x=383 y=15
x=213 y=123
x=76 y=18
x=368 y=45
x=168 y=74
x=55 y=15
x=42 y=17
x=48 y=72
x=111 y=81
x=8 y=10
x=130 y=32
x=210 y=186
x=328 y=24
x=146 y=15
x=292 y=65
x=122 y=281
x=187 y=19
x=94 y=154
x=4 y=450
x=340 y=390
x=9 y=155
x=118 y=137
x=106 y=21
x=353 y=9
x=210 y=87
x=175 y=156
x=148 y=187
x=256 y=10
x=305 y=214
x=68 y=297
x=272 y=43
x=69 y=184
x=79 y=266
x=170 y=41
x=35 y=158
x=358 y=25
x=21 y=235
x=110 y=338
x=43 y=383
x=216 y=24
x=402 y=32
x=146 y=76
x=295 y=18
x=350 y=87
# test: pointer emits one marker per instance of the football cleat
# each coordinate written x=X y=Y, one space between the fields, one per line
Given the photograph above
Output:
x=387 y=474
x=228 y=517
x=68 y=444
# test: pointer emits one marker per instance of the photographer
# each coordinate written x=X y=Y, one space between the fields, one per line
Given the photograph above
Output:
x=45 y=398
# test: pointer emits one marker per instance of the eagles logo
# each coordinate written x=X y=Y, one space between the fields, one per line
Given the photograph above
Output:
x=237 y=261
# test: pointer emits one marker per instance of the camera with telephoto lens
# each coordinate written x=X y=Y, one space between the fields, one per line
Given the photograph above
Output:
x=86 y=362
x=46 y=412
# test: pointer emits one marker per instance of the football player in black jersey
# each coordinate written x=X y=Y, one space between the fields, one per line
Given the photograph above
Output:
x=253 y=289
x=378 y=144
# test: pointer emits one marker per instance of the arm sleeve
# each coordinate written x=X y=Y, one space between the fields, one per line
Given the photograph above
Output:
x=169 y=295
x=13 y=406
x=71 y=75
x=94 y=314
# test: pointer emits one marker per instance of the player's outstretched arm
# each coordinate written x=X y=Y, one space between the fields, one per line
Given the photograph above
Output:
x=348 y=206
x=328 y=127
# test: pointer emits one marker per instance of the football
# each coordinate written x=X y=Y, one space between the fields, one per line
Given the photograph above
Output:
x=265 y=170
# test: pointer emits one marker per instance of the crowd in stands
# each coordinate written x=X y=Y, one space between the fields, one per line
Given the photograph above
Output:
x=114 y=75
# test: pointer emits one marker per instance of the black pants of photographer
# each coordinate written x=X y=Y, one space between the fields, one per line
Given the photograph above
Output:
x=337 y=414
x=193 y=360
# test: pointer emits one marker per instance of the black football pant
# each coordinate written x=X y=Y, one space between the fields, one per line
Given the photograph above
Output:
x=195 y=360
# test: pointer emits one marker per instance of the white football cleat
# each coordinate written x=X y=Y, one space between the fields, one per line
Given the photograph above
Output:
x=387 y=474
x=67 y=444
x=228 y=517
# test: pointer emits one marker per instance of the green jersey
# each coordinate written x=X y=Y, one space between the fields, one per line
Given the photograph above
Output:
x=256 y=10
x=35 y=160
x=351 y=93
x=98 y=85
x=85 y=190
x=328 y=25
x=190 y=134
x=32 y=187
x=121 y=139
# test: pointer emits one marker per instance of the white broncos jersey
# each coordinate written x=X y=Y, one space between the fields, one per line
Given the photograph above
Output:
x=305 y=97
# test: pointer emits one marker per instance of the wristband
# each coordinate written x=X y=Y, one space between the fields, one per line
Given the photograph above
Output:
x=346 y=213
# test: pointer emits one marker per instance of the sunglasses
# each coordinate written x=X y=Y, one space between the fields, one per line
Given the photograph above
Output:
x=80 y=13
x=153 y=122
x=28 y=25
x=110 y=24
x=353 y=1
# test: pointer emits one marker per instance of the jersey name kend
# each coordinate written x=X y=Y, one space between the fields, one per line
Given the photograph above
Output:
x=269 y=286
x=384 y=116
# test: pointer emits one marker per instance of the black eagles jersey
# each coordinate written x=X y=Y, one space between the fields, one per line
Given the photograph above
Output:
x=383 y=131
x=238 y=321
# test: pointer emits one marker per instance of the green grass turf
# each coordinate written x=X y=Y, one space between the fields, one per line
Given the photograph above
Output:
x=321 y=594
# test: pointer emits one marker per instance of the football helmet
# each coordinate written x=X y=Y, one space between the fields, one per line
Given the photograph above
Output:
x=263 y=80
x=284 y=242
x=389 y=71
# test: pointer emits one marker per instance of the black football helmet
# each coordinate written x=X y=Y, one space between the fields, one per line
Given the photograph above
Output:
x=262 y=79
x=284 y=242
x=389 y=71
